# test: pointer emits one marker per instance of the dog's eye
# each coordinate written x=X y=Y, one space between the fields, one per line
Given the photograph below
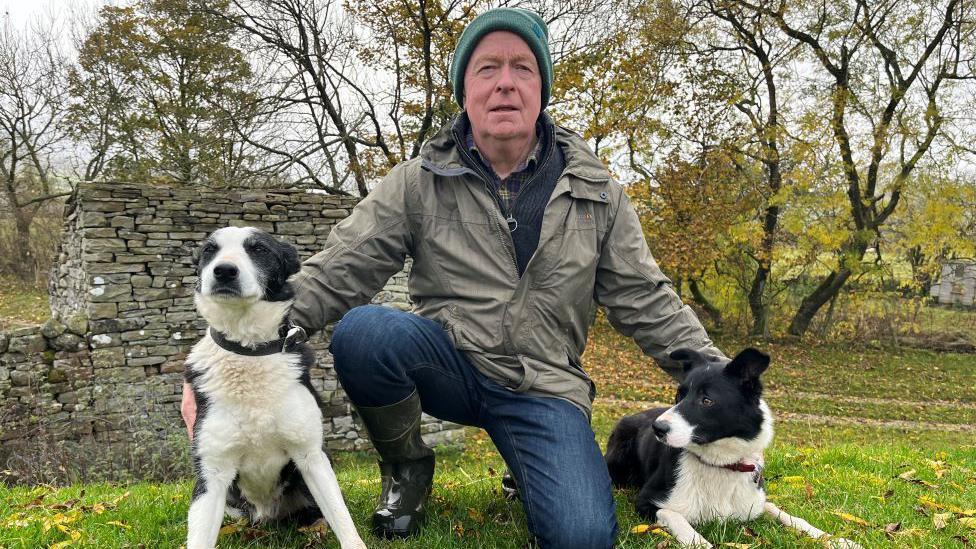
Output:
x=259 y=249
x=706 y=401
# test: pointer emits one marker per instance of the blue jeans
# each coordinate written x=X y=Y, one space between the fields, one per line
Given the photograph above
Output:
x=382 y=355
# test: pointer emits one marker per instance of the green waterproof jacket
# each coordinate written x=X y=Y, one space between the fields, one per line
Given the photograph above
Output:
x=526 y=333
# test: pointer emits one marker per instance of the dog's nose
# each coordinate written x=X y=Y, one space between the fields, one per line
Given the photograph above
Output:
x=225 y=272
x=661 y=428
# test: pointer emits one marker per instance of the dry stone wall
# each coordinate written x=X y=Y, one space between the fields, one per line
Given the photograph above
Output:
x=95 y=391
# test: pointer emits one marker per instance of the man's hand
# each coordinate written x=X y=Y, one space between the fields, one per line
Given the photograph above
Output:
x=188 y=407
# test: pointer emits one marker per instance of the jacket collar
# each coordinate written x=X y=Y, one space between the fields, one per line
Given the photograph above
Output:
x=441 y=156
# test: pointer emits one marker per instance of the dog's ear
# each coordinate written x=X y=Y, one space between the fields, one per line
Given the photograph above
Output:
x=289 y=256
x=749 y=364
x=203 y=251
x=688 y=358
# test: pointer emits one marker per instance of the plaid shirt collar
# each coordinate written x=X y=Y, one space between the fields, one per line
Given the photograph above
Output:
x=528 y=166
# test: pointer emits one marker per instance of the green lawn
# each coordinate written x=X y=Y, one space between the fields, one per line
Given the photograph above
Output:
x=867 y=439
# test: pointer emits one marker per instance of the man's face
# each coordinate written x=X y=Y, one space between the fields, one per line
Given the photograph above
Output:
x=502 y=87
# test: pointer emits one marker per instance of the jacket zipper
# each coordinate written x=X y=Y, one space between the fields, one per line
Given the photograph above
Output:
x=501 y=235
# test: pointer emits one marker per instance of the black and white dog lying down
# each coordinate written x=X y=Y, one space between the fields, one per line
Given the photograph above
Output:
x=702 y=459
x=257 y=444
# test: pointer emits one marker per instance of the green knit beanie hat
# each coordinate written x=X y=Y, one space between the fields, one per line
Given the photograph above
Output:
x=528 y=25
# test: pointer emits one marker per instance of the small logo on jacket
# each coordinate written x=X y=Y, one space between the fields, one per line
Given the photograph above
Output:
x=584 y=217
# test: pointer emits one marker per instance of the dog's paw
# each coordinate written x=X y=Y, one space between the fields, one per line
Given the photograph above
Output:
x=696 y=541
x=842 y=543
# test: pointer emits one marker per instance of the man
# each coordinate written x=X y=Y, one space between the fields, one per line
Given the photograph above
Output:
x=515 y=227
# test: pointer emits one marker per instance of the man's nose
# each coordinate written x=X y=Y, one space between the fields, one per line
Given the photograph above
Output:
x=506 y=80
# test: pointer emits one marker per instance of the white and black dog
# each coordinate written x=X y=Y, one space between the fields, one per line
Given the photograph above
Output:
x=702 y=459
x=257 y=444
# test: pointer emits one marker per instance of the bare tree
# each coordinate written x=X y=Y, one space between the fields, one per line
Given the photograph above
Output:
x=356 y=88
x=752 y=44
x=32 y=108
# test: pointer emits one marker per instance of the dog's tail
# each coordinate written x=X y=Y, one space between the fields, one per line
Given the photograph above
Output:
x=621 y=456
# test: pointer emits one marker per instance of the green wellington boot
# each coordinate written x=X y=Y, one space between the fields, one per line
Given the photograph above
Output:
x=406 y=466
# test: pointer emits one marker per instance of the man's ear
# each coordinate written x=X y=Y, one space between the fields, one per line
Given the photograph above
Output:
x=748 y=364
x=688 y=358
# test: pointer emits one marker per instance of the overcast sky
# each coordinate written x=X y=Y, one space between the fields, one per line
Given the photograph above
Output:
x=19 y=12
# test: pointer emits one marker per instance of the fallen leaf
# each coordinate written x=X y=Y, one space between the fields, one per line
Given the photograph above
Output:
x=476 y=515
x=232 y=528
x=317 y=528
x=968 y=522
x=640 y=529
x=891 y=528
x=661 y=532
x=851 y=518
x=940 y=520
x=75 y=536
x=119 y=524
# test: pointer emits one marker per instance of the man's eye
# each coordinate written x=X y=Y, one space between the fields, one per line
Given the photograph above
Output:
x=706 y=401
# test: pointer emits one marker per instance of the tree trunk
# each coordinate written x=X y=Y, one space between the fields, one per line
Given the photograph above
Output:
x=24 y=266
x=757 y=305
x=813 y=302
x=710 y=309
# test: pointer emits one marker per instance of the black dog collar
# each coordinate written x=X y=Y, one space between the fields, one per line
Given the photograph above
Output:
x=293 y=337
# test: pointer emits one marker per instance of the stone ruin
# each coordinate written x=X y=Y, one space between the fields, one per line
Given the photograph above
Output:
x=94 y=392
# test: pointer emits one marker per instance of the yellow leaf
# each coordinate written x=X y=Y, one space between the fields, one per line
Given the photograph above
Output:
x=319 y=527
x=476 y=515
x=118 y=523
x=851 y=518
x=794 y=480
x=75 y=536
x=939 y=520
x=907 y=475
x=230 y=529
x=930 y=503
x=640 y=529
x=936 y=506
x=968 y=522
x=120 y=498
x=661 y=532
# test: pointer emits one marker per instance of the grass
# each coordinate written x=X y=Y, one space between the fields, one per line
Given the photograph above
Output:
x=21 y=303
x=867 y=440
x=834 y=486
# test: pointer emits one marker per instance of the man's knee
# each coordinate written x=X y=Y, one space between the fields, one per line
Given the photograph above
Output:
x=370 y=335
x=354 y=337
